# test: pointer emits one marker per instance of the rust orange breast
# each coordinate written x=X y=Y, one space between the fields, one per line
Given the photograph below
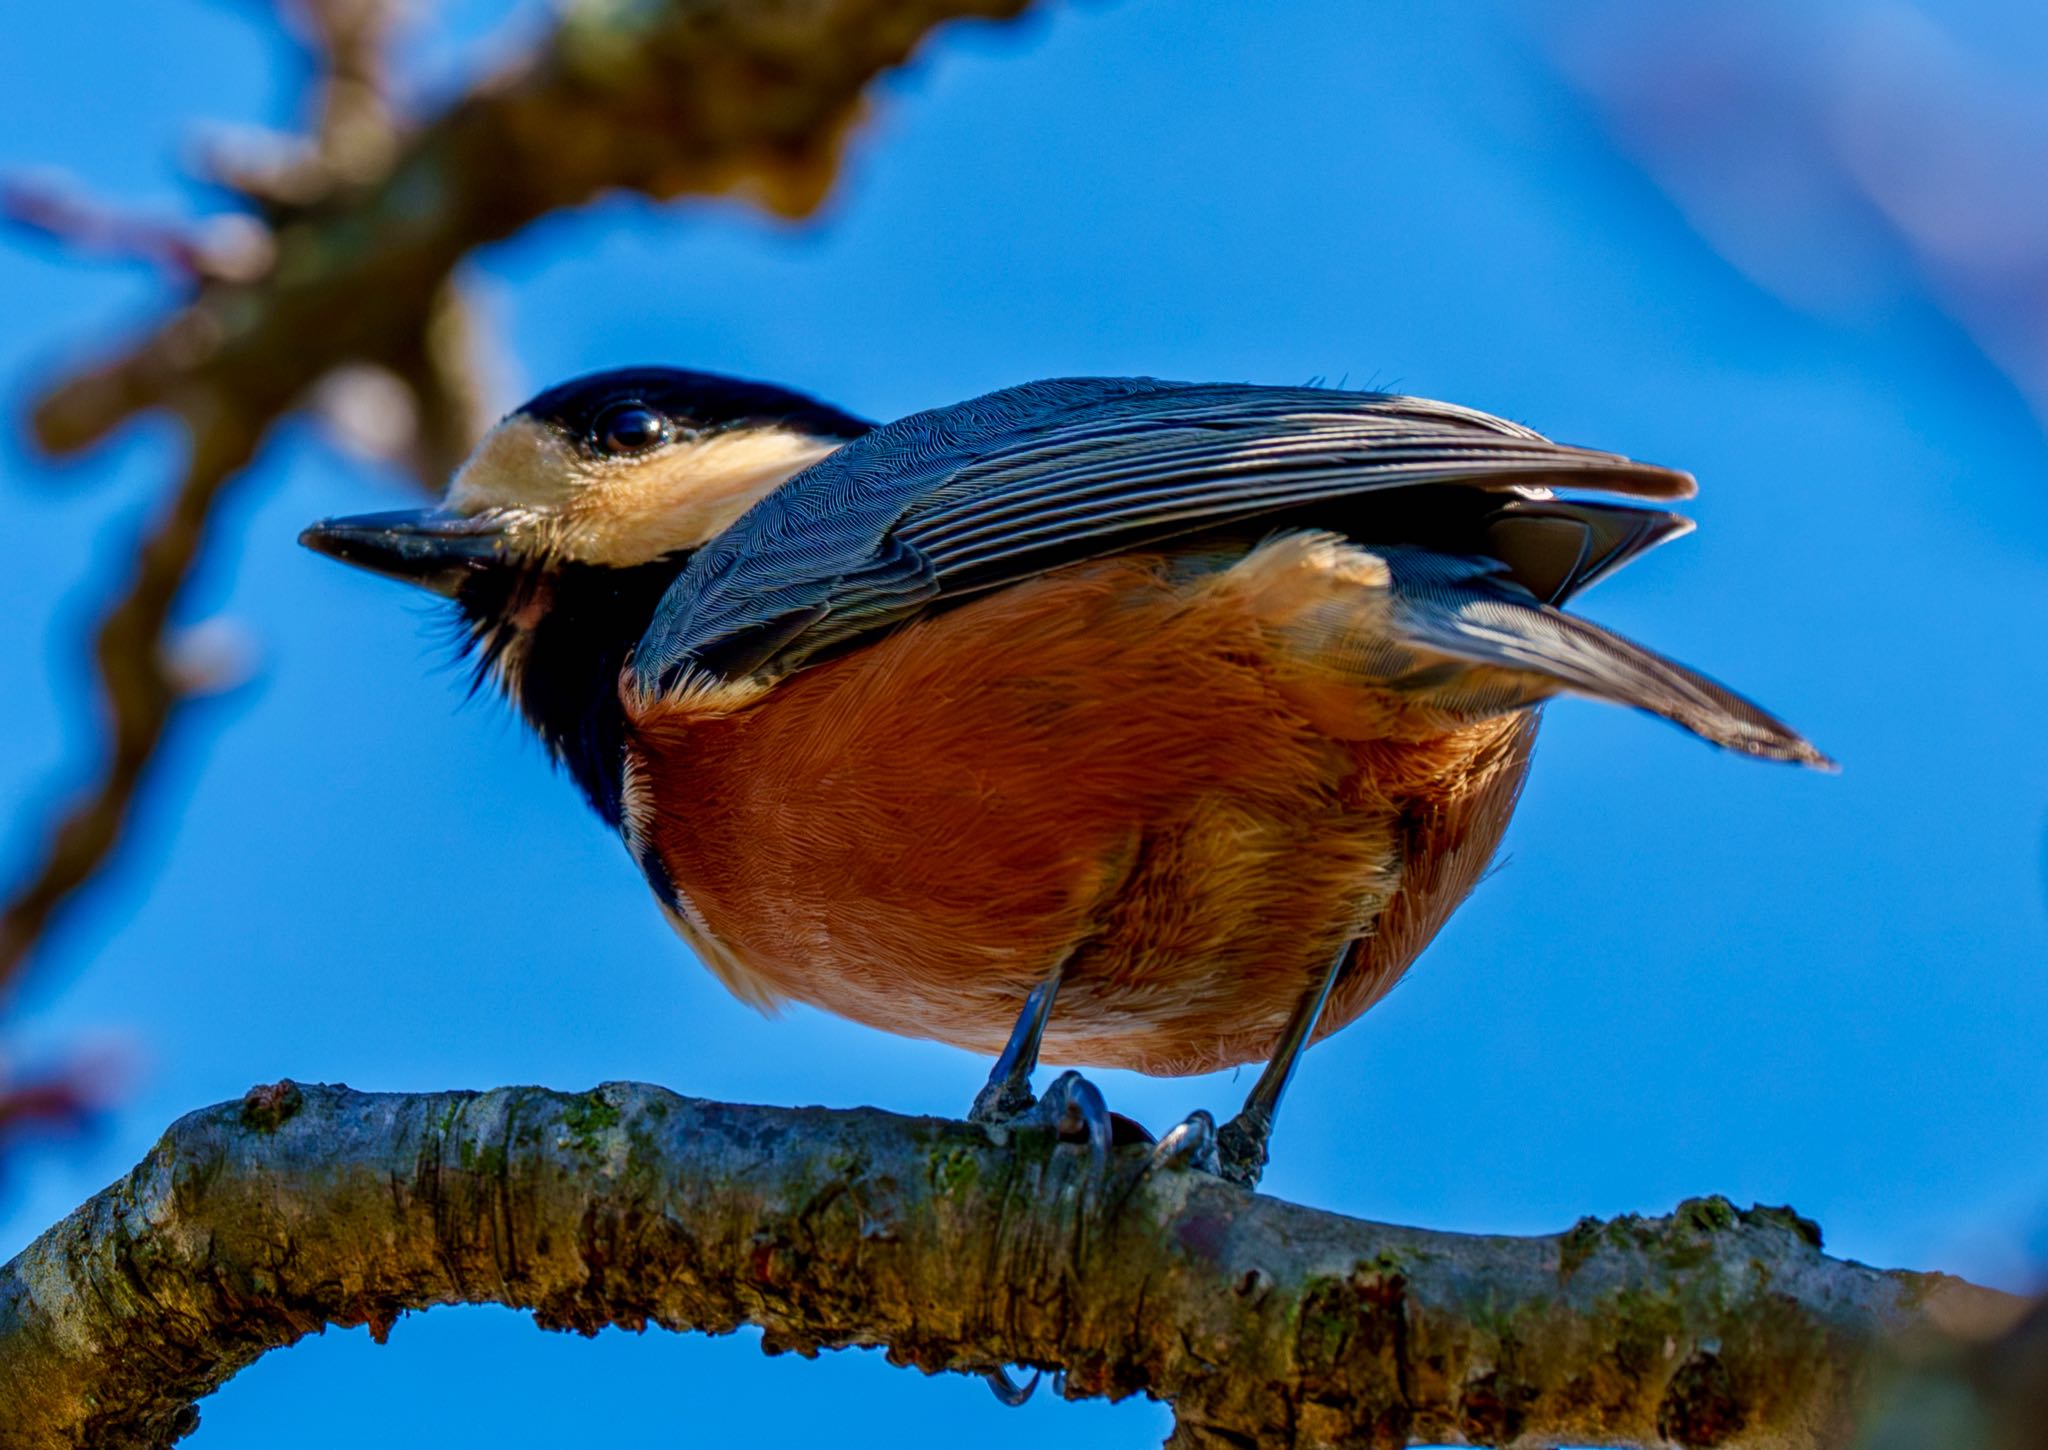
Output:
x=1093 y=768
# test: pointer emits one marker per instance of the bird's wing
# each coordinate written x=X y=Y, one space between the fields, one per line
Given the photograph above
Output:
x=1030 y=478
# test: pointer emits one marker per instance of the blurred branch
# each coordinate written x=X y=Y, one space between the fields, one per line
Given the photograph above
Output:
x=253 y=1224
x=1971 y=1394
x=139 y=682
x=690 y=96
x=228 y=248
x=357 y=131
x=60 y=1100
x=668 y=98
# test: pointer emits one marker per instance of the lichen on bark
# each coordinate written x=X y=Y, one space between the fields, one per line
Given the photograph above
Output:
x=952 y=1246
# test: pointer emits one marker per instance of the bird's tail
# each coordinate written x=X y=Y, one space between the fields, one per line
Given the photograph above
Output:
x=1463 y=637
x=1464 y=609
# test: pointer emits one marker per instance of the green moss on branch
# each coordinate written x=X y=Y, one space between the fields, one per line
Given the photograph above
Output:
x=1261 y=1321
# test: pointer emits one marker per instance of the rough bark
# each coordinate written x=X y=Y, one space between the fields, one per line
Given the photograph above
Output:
x=254 y=1223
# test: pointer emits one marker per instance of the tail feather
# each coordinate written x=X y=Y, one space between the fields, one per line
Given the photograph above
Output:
x=1466 y=609
x=1557 y=547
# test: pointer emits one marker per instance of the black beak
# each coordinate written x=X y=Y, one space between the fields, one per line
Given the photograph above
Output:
x=426 y=547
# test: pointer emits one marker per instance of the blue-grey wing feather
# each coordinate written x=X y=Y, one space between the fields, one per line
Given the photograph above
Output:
x=1031 y=477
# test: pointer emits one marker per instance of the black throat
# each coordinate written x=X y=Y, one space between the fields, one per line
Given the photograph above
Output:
x=585 y=620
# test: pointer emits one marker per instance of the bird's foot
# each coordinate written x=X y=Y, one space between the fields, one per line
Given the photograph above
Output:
x=1190 y=1143
x=1235 y=1152
x=1072 y=1107
x=1008 y=1390
x=1013 y=1394
x=1241 y=1148
x=1075 y=1111
x=1002 y=1100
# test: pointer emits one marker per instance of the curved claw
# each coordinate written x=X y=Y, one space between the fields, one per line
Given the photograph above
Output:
x=1008 y=1390
x=1076 y=1112
x=1191 y=1143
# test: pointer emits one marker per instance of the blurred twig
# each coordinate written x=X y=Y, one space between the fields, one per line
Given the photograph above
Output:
x=58 y=1099
x=367 y=225
x=691 y=96
x=139 y=686
x=422 y=407
x=231 y=248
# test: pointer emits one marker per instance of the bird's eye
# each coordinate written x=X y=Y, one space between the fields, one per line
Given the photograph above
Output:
x=628 y=428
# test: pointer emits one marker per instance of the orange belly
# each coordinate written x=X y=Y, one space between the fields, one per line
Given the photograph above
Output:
x=1102 y=768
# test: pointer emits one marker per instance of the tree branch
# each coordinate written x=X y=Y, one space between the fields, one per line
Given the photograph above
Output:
x=252 y=1224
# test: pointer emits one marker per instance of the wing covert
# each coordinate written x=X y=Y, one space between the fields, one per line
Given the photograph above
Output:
x=1029 y=478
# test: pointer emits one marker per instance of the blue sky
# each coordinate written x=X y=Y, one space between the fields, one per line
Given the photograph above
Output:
x=1694 y=974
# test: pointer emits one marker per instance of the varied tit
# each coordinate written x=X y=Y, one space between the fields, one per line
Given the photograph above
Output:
x=1142 y=724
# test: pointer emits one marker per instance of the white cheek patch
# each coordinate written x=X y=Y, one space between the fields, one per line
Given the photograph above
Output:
x=680 y=497
x=625 y=511
x=521 y=465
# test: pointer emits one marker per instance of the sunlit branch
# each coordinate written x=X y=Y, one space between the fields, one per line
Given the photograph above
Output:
x=254 y=1223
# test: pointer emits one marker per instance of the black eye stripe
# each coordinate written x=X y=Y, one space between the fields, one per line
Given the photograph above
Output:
x=629 y=427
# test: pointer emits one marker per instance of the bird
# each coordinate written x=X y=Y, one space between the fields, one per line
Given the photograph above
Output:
x=1117 y=721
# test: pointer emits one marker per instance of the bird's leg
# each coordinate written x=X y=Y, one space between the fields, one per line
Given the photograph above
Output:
x=1072 y=1107
x=1008 y=1089
x=1241 y=1142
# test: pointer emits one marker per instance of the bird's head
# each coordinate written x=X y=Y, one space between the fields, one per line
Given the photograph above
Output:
x=588 y=498
x=559 y=535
